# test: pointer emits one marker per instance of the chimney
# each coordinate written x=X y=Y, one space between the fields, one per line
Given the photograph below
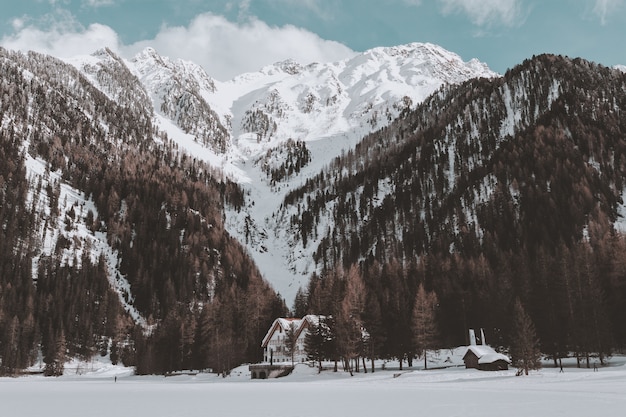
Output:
x=472 y=337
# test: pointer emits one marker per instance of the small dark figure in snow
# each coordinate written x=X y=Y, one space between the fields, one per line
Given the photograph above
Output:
x=116 y=378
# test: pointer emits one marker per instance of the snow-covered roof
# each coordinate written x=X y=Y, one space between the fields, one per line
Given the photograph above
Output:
x=281 y=322
x=285 y=323
x=486 y=354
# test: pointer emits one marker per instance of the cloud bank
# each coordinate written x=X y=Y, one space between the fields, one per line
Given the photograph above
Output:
x=225 y=49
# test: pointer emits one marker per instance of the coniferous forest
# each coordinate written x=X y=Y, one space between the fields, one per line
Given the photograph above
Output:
x=488 y=192
x=203 y=301
x=492 y=194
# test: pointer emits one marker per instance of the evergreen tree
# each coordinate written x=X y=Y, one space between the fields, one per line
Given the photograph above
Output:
x=300 y=304
x=55 y=360
x=114 y=353
x=349 y=324
x=525 y=352
x=425 y=335
x=291 y=340
x=372 y=319
x=315 y=341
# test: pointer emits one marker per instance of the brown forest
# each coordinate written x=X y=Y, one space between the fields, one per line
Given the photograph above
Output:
x=203 y=299
x=488 y=192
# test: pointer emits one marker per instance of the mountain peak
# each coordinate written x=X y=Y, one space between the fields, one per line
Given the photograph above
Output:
x=149 y=61
x=288 y=66
x=150 y=56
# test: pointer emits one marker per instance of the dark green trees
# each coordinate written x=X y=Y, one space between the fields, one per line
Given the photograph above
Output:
x=291 y=339
x=483 y=210
x=319 y=341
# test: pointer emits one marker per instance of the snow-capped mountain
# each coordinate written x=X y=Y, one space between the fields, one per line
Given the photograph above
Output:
x=329 y=107
x=351 y=97
x=488 y=190
x=242 y=125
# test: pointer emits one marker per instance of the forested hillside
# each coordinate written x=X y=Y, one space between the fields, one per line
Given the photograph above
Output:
x=112 y=236
x=489 y=191
x=142 y=215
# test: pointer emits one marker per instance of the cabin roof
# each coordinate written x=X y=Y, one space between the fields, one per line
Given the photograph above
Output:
x=486 y=354
x=285 y=323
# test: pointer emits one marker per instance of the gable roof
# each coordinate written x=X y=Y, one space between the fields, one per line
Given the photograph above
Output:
x=309 y=320
x=283 y=323
x=486 y=354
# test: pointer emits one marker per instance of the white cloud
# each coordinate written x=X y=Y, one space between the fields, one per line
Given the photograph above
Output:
x=487 y=12
x=603 y=8
x=226 y=49
x=18 y=23
x=98 y=3
x=60 y=35
x=223 y=48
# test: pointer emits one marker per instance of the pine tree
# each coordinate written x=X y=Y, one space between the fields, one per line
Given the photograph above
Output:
x=322 y=341
x=349 y=323
x=372 y=318
x=424 y=322
x=314 y=342
x=55 y=363
x=525 y=352
x=291 y=340
x=300 y=304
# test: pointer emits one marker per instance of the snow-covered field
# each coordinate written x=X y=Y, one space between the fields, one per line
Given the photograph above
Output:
x=444 y=392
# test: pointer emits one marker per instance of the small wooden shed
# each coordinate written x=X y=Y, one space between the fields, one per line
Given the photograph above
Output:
x=485 y=358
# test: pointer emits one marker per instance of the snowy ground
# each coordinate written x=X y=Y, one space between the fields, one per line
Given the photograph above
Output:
x=444 y=392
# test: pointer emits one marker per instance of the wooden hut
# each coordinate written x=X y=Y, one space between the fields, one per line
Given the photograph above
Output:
x=485 y=358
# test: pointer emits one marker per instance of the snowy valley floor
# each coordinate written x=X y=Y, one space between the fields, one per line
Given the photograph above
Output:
x=444 y=392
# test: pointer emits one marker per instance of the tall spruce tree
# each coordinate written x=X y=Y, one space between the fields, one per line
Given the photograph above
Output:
x=316 y=341
x=291 y=340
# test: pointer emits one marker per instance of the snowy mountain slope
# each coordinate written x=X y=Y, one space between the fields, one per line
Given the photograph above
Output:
x=108 y=228
x=354 y=96
x=330 y=107
x=66 y=221
x=446 y=172
x=69 y=217
x=241 y=126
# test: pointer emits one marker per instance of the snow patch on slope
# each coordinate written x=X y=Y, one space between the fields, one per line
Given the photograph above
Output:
x=620 y=222
x=66 y=212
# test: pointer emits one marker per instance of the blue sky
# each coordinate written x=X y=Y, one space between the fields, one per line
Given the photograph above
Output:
x=233 y=36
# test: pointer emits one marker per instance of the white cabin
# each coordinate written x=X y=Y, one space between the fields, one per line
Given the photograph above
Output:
x=273 y=343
